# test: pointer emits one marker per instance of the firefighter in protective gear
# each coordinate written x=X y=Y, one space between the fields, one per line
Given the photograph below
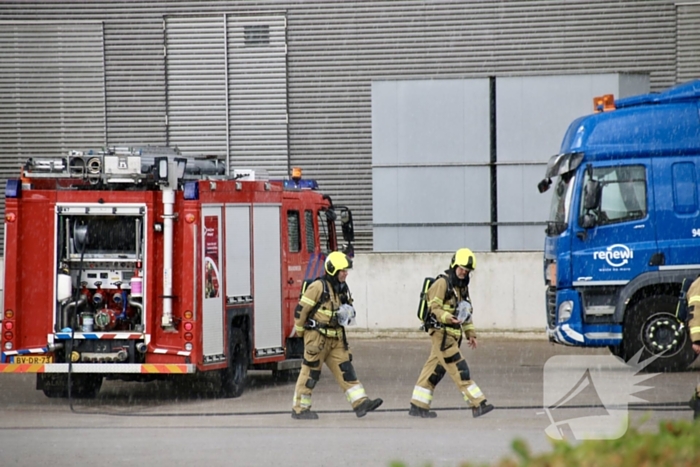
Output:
x=694 y=330
x=316 y=320
x=444 y=298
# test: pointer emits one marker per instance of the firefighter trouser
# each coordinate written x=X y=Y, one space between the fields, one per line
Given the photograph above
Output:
x=448 y=361
x=320 y=349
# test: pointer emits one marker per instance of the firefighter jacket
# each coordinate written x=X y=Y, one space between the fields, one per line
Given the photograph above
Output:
x=318 y=306
x=443 y=305
x=694 y=311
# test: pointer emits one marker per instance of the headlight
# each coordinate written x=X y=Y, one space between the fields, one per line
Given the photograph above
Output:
x=565 y=310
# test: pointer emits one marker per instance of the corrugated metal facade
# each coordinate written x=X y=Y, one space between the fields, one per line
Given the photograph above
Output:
x=688 y=45
x=52 y=93
x=135 y=82
x=335 y=49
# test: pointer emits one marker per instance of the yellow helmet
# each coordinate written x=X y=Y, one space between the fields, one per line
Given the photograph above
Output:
x=464 y=258
x=337 y=261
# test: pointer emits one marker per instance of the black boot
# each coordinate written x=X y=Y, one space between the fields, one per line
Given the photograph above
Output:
x=483 y=409
x=416 y=411
x=367 y=405
x=305 y=415
x=694 y=404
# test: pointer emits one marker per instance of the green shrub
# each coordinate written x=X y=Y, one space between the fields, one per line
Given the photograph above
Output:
x=675 y=444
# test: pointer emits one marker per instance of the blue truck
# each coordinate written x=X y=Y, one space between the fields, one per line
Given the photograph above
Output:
x=623 y=234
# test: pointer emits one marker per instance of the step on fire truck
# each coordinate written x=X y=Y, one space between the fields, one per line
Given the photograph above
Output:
x=136 y=264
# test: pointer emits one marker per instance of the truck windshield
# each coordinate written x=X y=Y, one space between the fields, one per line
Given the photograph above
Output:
x=561 y=202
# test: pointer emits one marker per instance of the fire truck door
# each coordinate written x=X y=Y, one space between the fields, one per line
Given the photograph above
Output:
x=238 y=258
x=212 y=278
x=267 y=280
x=293 y=273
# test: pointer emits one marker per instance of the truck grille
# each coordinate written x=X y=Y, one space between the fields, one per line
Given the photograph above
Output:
x=551 y=297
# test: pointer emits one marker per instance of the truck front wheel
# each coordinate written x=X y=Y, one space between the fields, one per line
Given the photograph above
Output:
x=233 y=377
x=651 y=326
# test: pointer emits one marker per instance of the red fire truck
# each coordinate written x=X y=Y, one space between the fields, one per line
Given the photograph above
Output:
x=135 y=264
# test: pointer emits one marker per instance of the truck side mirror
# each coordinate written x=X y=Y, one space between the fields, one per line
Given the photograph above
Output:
x=591 y=195
x=347 y=225
x=544 y=185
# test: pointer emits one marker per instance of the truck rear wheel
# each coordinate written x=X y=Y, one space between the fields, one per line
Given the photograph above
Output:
x=651 y=326
x=233 y=378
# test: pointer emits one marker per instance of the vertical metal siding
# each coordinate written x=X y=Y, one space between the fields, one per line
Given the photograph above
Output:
x=135 y=83
x=225 y=96
x=51 y=88
x=52 y=95
x=336 y=49
x=196 y=84
x=257 y=81
x=688 y=46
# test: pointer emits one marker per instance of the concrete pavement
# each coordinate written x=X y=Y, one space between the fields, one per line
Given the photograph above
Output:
x=183 y=423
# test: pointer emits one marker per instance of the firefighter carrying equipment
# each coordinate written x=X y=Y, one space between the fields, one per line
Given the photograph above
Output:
x=325 y=342
x=337 y=261
x=443 y=298
x=464 y=258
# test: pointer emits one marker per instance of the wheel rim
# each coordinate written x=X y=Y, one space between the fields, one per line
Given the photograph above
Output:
x=662 y=333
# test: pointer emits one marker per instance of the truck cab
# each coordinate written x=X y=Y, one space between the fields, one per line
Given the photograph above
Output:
x=623 y=235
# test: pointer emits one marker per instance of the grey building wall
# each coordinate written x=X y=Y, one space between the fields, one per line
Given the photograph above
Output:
x=433 y=189
x=335 y=50
x=431 y=146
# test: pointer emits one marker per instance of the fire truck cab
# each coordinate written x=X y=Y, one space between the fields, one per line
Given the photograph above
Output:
x=136 y=263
